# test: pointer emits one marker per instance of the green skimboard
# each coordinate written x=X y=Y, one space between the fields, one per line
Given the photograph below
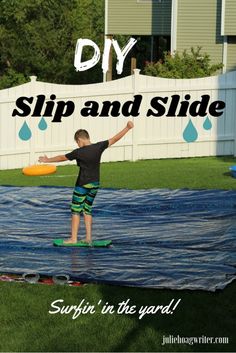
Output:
x=95 y=243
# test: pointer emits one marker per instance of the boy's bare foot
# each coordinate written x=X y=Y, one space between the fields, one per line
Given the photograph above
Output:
x=70 y=241
x=86 y=241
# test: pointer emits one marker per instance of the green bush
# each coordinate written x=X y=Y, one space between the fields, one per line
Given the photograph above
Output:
x=11 y=78
x=183 y=65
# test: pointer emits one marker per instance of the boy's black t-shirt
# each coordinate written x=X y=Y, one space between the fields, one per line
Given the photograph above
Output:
x=88 y=159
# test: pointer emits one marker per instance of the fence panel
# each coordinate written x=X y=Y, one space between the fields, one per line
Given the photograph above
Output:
x=153 y=137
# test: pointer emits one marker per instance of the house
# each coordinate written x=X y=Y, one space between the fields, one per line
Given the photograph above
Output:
x=170 y=25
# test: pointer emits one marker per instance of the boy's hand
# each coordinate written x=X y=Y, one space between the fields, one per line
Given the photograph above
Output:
x=130 y=125
x=120 y=134
x=43 y=159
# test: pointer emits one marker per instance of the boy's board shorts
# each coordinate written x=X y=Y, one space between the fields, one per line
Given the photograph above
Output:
x=83 y=197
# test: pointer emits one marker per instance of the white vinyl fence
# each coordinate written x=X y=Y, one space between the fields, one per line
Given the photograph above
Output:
x=152 y=137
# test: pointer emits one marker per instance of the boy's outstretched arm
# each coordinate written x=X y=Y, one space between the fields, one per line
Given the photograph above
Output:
x=45 y=159
x=120 y=134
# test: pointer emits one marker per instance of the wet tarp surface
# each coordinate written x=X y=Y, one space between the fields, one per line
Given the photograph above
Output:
x=178 y=239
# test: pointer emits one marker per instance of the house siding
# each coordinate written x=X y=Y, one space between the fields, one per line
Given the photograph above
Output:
x=199 y=24
x=231 y=54
x=230 y=17
x=133 y=17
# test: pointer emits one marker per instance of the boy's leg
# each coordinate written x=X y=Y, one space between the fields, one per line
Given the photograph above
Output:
x=75 y=222
x=88 y=227
x=92 y=192
x=77 y=205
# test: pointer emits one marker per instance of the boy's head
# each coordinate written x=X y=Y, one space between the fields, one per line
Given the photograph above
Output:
x=82 y=137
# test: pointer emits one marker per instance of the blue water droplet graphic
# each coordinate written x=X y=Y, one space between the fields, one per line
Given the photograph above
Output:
x=190 y=133
x=25 y=132
x=207 y=125
x=42 y=124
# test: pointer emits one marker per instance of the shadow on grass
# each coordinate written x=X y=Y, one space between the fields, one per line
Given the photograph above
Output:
x=228 y=174
x=28 y=327
x=198 y=314
x=227 y=159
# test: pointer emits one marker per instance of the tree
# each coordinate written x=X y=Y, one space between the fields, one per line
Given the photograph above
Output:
x=185 y=65
x=38 y=37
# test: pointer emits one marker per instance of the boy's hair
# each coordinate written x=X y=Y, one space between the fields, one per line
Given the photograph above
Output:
x=83 y=134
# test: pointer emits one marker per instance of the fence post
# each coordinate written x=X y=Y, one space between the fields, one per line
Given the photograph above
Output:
x=136 y=85
x=33 y=80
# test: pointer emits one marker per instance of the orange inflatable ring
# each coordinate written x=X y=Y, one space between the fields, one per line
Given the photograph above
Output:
x=37 y=170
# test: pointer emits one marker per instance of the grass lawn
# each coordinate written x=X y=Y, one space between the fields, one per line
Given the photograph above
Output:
x=193 y=173
x=26 y=325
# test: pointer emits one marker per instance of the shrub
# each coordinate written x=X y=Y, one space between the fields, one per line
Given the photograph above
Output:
x=11 y=78
x=183 y=65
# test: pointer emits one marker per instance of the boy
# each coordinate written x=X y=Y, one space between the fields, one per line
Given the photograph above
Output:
x=88 y=157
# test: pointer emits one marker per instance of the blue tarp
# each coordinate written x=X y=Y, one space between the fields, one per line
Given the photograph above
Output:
x=178 y=239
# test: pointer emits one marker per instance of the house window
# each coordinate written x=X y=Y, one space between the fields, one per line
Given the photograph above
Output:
x=232 y=39
x=147 y=49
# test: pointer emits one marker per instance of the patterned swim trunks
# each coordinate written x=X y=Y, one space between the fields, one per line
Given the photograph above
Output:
x=83 y=197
